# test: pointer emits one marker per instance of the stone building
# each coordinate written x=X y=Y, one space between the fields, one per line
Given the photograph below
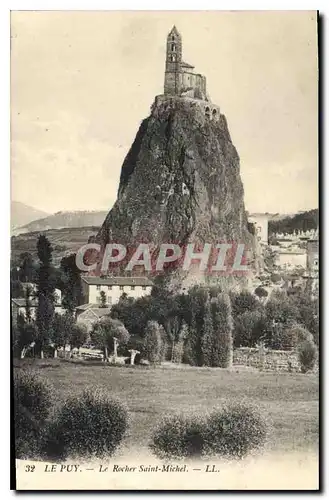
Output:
x=180 y=77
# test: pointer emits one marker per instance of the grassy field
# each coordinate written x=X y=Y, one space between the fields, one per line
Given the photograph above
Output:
x=289 y=400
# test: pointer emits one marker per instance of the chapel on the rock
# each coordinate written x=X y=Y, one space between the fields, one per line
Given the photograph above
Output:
x=180 y=78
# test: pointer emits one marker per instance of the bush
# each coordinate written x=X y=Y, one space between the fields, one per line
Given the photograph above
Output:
x=32 y=402
x=234 y=431
x=261 y=292
x=89 y=425
x=307 y=355
x=178 y=437
x=297 y=334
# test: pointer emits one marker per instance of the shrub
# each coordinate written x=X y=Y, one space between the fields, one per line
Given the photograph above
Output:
x=178 y=437
x=32 y=402
x=234 y=431
x=261 y=292
x=307 y=355
x=297 y=334
x=90 y=424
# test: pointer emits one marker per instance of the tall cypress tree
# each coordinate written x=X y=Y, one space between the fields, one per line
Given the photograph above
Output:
x=207 y=340
x=198 y=296
x=223 y=331
x=45 y=293
x=72 y=289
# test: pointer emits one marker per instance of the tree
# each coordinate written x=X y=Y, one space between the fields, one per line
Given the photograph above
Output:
x=24 y=334
x=249 y=328
x=196 y=305
x=297 y=334
x=153 y=342
x=27 y=268
x=177 y=355
x=307 y=312
x=102 y=299
x=134 y=314
x=243 y=302
x=261 y=292
x=207 y=342
x=104 y=332
x=168 y=310
x=281 y=310
x=16 y=289
x=222 y=354
x=78 y=335
x=307 y=355
x=45 y=293
x=71 y=284
x=62 y=327
x=28 y=294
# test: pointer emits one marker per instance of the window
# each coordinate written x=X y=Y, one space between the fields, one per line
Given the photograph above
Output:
x=173 y=47
x=143 y=287
x=109 y=287
x=132 y=288
x=173 y=38
x=98 y=300
x=109 y=299
x=173 y=58
x=121 y=287
x=98 y=287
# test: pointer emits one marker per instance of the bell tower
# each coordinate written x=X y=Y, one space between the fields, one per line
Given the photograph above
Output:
x=173 y=70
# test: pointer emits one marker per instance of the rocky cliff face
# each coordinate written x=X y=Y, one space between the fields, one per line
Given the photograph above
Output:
x=180 y=181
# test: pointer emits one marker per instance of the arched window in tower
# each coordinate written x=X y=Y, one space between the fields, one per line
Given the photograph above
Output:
x=173 y=47
x=173 y=57
x=173 y=38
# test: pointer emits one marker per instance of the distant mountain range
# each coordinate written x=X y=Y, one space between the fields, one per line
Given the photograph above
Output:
x=22 y=214
x=60 y=220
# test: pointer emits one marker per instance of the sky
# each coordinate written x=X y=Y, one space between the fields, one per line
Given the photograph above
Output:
x=82 y=82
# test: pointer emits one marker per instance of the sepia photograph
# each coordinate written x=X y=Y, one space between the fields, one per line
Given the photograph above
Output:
x=164 y=265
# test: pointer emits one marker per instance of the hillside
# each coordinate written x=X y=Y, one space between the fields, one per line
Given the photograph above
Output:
x=64 y=241
x=303 y=221
x=21 y=214
x=67 y=219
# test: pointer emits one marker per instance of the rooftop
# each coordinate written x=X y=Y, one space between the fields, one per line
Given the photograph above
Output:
x=117 y=280
x=97 y=311
x=187 y=65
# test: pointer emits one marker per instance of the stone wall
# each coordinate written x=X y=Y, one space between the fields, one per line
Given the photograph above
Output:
x=283 y=361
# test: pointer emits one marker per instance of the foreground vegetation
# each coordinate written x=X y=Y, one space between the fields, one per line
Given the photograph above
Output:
x=289 y=400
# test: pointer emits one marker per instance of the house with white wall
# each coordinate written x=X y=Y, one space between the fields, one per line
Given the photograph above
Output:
x=114 y=287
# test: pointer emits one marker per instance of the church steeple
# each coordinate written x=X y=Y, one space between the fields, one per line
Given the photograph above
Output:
x=173 y=62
